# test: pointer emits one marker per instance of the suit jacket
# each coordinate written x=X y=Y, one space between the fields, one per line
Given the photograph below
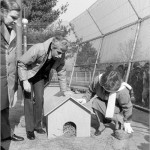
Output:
x=33 y=60
x=8 y=69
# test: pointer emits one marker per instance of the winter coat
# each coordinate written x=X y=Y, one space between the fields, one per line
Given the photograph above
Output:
x=123 y=100
x=8 y=74
x=33 y=60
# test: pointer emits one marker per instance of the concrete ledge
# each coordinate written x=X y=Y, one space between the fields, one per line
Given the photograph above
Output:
x=141 y=108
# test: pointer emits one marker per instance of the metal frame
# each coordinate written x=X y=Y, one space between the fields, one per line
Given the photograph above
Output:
x=74 y=66
x=94 y=21
x=133 y=50
x=119 y=29
x=138 y=22
x=98 y=55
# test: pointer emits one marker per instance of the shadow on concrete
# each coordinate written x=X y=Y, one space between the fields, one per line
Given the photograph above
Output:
x=145 y=146
x=15 y=114
x=95 y=124
x=140 y=116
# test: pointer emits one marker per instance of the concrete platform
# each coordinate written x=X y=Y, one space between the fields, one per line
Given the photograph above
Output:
x=140 y=123
x=139 y=141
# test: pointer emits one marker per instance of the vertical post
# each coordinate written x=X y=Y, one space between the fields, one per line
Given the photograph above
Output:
x=135 y=41
x=25 y=38
x=74 y=66
x=100 y=48
x=19 y=31
x=25 y=22
x=133 y=51
x=19 y=43
x=100 y=45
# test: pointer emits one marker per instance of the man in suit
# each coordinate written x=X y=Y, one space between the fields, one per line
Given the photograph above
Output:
x=9 y=14
x=36 y=68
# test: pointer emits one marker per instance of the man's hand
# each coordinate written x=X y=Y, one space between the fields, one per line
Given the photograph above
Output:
x=128 y=128
x=64 y=93
x=81 y=101
x=67 y=93
x=27 y=86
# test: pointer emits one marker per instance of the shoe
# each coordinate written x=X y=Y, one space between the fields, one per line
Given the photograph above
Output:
x=30 y=135
x=40 y=131
x=121 y=134
x=14 y=138
x=98 y=132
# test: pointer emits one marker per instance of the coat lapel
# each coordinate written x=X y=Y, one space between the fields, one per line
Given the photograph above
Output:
x=5 y=33
x=9 y=37
x=12 y=36
x=47 y=43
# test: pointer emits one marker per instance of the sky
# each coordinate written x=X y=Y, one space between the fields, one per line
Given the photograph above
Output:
x=75 y=8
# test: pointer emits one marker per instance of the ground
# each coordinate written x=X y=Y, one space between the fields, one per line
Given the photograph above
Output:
x=106 y=141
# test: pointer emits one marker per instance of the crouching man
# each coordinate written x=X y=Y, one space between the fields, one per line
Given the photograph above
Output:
x=35 y=69
x=112 y=101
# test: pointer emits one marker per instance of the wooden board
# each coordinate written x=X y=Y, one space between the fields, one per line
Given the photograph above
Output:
x=52 y=98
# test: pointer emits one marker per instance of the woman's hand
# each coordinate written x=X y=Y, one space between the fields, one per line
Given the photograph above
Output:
x=128 y=128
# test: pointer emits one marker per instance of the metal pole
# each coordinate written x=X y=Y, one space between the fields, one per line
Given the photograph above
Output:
x=94 y=21
x=19 y=45
x=100 y=48
x=25 y=38
x=19 y=31
x=116 y=30
x=24 y=22
x=74 y=66
x=133 y=51
x=134 y=9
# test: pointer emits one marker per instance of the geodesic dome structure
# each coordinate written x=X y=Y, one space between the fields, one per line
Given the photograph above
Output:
x=118 y=30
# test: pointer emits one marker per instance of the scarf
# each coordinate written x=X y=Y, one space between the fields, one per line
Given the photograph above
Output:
x=112 y=99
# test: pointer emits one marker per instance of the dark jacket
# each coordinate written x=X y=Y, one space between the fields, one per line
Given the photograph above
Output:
x=123 y=100
x=33 y=60
x=8 y=74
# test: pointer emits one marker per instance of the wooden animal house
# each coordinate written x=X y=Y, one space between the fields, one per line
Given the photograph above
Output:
x=68 y=111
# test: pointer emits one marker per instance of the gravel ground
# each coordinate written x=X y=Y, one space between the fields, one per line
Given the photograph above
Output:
x=106 y=141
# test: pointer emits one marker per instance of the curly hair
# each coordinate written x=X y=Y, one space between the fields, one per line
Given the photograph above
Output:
x=60 y=43
x=111 y=80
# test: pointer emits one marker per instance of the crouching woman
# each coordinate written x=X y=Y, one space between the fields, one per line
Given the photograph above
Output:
x=112 y=101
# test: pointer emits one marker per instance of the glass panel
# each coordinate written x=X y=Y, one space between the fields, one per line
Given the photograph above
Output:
x=84 y=27
x=117 y=47
x=143 y=45
x=85 y=63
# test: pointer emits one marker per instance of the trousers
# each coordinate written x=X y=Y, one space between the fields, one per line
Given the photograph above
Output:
x=33 y=105
x=5 y=124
